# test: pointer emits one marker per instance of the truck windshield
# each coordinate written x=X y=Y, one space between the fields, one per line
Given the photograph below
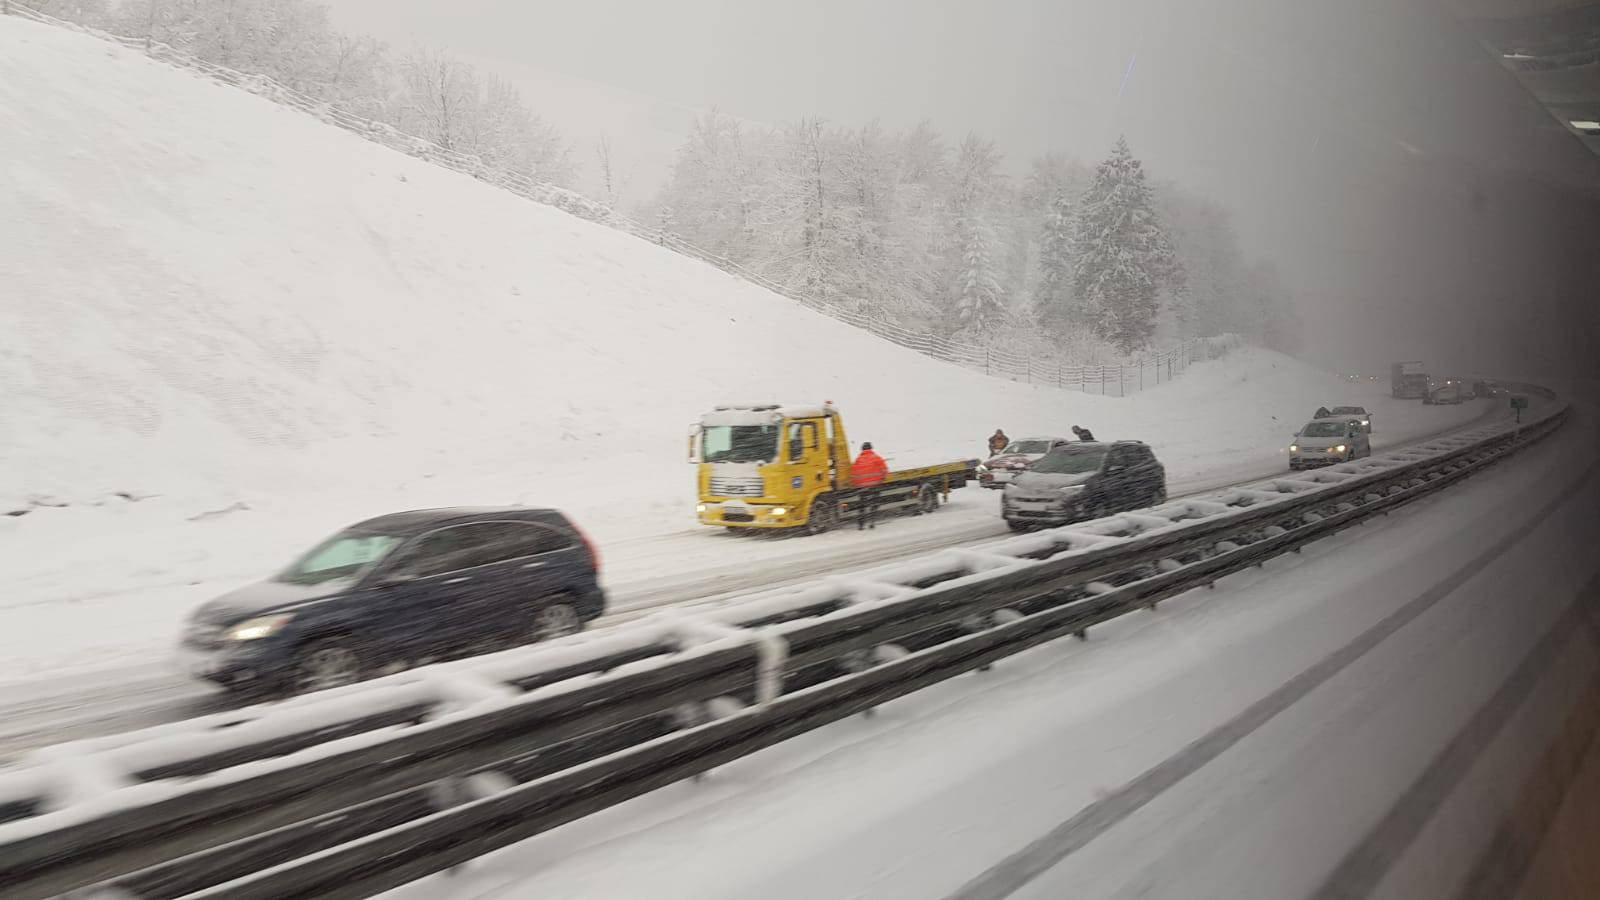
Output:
x=347 y=554
x=1027 y=447
x=739 y=443
x=1073 y=460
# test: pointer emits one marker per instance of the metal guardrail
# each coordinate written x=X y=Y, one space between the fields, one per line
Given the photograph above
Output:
x=1036 y=365
x=358 y=790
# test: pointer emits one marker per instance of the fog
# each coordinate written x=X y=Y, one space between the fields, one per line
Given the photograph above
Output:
x=1420 y=203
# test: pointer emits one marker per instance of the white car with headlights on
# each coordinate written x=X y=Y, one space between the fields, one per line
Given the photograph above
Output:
x=1323 y=442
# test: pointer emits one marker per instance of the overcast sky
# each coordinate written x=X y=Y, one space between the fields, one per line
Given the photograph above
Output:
x=1324 y=126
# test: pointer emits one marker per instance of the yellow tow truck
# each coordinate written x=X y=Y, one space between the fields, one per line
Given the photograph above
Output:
x=775 y=466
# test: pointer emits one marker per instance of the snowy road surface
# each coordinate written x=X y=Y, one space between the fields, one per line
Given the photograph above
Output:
x=642 y=574
x=1264 y=785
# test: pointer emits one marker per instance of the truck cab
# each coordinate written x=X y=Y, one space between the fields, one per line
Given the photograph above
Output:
x=763 y=466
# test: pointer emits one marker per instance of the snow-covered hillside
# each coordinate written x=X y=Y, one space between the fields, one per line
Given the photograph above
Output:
x=228 y=328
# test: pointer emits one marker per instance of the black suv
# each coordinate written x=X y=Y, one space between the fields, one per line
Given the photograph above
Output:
x=1082 y=481
x=396 y=591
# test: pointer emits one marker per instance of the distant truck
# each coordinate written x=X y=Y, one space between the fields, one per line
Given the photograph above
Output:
x=788 y=467
x=1407 y=381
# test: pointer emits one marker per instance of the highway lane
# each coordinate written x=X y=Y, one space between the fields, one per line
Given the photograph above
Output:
x=643 y=575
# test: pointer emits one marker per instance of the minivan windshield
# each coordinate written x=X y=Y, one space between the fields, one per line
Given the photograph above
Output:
x=739 y=443
x=1071 y=460
x=1027 y=447
x=1324 y=429
x=348 y=554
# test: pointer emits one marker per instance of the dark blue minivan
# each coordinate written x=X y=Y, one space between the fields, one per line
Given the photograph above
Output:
x=397 y=591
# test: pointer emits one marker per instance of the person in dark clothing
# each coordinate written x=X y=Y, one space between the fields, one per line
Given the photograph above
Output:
x=997 y=442
x=1083 y=434
x=867 y=473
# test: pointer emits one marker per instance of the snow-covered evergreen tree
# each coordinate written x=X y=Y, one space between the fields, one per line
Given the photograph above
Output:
x=1052 y=297
x=1123 y=256
x=979 y=305
x=975 y=298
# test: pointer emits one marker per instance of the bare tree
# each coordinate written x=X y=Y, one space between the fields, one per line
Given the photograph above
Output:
x=440 y=98
x=608 y=182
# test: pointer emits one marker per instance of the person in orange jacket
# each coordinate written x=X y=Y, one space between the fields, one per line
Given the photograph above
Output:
x=866 y=473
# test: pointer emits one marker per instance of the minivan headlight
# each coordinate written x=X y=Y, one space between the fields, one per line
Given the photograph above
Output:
x=258 y=628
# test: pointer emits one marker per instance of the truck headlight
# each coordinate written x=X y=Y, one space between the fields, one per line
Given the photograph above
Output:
x=256 y=629
x=779 y=511
x=1294 y=448
x=1339 y=449
x=700 y=507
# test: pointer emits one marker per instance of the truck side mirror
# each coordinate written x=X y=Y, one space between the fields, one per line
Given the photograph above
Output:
x=694 y=443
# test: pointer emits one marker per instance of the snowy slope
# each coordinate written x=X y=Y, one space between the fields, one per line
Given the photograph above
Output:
x=229 y=329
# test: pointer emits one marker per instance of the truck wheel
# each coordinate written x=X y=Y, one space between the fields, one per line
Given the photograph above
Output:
x=1015 y=525
x=824 y=515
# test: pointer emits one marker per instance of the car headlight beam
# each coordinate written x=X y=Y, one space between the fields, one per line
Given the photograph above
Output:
x=258 y=628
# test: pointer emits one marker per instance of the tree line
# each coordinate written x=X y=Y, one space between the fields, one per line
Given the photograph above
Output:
x=932 y=235
x=425 y=92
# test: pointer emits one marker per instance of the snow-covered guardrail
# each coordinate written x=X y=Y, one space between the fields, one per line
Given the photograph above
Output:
x=352 y=791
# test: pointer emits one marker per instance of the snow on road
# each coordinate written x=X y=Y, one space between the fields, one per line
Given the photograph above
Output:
x=234 y=329
x=943 y=785
x=81 y=701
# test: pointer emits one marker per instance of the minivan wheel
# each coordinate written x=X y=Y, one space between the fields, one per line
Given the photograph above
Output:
x=556 y=620
x=324 y=664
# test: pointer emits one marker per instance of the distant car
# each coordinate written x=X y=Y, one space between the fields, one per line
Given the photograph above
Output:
x=1327 y=441
x=1448 y=394
x=1084 y=480
x=1355 y=412
x=998 y=470
x=396 y=591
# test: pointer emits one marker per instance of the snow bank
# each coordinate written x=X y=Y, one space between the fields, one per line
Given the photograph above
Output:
x=231 y=329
